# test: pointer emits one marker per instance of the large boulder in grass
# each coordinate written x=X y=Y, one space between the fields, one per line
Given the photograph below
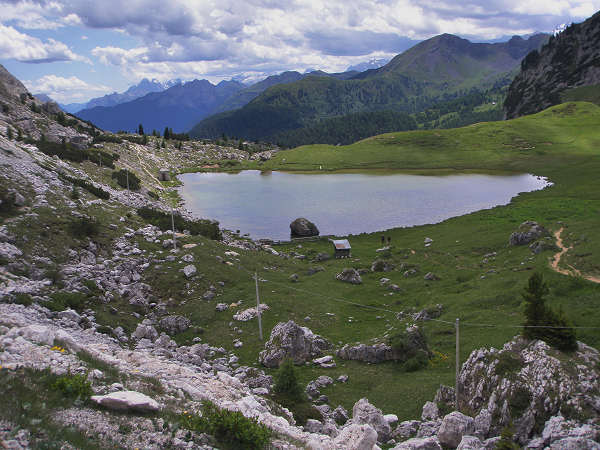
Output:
x=289 y=340
x=349 y=276
x=174 y=324
x=302 y=227
x=126 y=401
x=528 y=232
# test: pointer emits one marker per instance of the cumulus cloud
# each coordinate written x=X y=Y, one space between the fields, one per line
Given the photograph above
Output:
x=229 y=37
x=25 y=48
x=65 y=90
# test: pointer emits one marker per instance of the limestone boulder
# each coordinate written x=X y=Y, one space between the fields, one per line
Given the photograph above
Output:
x=289 y=340
x=364 y=412
x=429 y=443
x=302 y=227
x=126 y=401
x=145 y=331
x=174 y=324
x=356 y=437
x=349 y=275
x=454 y=426
x=528 y=232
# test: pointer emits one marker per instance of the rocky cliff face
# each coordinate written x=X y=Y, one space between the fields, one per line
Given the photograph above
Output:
x=570 y=59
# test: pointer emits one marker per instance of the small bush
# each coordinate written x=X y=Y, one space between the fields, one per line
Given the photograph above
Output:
x=153 y=195
x=63 y=300
x=74 y=193
x=73 y=386
x=508 y=363
x=286 y=381
x=121 y=177
x=7 y=201
x=23 y=299
x=162 y=220
x=84 y=227
x=54 y=275
x=417 y=362
x=98 y=192
x=228 y=426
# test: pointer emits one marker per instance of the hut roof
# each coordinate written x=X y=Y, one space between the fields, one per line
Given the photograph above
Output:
x=341 y=244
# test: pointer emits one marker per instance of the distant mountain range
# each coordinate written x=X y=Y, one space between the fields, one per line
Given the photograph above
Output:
x=159 y=109
x=177 y=107
x=144 y=87
x=368 y=65
x=439 y=69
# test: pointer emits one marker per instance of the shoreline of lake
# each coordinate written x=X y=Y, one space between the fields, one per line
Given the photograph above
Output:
x=348 y=202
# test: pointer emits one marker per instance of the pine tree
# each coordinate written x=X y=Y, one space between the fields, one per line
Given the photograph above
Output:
x=535 y=309
x=286 y=381
x=166 y=133
x=9 y=133
x=539 y=319
x=141 y=130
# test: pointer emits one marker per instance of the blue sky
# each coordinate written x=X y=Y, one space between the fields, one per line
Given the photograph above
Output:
x=78 y=49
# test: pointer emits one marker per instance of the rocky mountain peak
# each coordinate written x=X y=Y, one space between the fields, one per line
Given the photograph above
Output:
x=9 y=85
x=570 y=59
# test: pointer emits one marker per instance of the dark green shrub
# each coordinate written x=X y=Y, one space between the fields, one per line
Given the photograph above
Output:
x=417 y=362
x=92 y=286
x=74 y=386
x=286 y=381
x=54 y=275
x=508 y=363
x=540 y=320
x=7 y=201
x=231 y=427
x=121 y=177
x=84 y=227
x=74 y=193
x=153 y=195
x=63 y=300
x=506 y=441
x=107 y=138
x=162 y=220
x=98 y=192
x=23 y=299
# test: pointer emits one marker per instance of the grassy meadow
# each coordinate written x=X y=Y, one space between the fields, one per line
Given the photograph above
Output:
x=562 y=143
x=480 y=277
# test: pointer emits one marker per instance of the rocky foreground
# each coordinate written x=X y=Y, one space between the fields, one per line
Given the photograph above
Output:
x=525 y=384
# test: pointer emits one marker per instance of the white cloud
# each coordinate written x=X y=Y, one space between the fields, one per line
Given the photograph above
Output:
x=25 y=48
x=230 y=37
x=66 y=90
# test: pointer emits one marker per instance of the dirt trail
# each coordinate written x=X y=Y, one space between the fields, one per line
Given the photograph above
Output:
x=556 y=260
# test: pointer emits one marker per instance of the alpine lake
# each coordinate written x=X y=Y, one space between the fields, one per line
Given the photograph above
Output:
x=263 y=204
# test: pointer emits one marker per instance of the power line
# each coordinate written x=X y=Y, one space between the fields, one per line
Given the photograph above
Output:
x=375 y=308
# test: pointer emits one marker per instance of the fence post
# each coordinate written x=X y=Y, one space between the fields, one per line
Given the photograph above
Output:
x=260 y=333
x=456 y=386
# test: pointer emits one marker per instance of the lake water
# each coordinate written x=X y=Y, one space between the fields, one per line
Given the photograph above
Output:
x=264 y=204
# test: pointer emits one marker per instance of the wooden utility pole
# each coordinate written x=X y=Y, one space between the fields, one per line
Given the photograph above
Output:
x=258 y=306
x=173 y=227
x=456 y=394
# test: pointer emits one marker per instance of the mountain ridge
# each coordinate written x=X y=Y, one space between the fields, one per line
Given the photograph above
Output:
x=570 y=59
x=409 y=83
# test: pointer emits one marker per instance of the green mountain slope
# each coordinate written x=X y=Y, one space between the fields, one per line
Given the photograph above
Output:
x=439 y=69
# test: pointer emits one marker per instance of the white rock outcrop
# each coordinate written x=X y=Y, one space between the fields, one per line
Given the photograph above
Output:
x=126 y=401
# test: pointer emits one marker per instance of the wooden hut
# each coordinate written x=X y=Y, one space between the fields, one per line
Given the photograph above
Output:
x=164 y=175
x=341 y=248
